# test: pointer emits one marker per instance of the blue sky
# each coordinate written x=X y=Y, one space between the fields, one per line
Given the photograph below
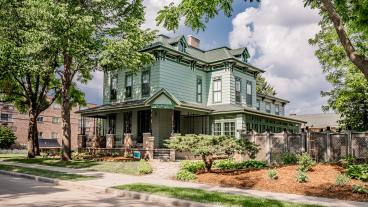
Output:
x=275 y=32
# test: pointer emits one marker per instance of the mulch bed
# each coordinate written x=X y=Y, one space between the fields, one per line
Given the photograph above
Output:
x=321 y=182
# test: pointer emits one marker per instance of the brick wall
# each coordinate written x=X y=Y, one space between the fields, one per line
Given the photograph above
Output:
x=50 y=126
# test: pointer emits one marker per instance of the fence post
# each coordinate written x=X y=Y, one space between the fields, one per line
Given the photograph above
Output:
x=303 y=137
x=286 y=140
x=350 y=141
x=308 y=136
x=328 y=143
x=268 y=147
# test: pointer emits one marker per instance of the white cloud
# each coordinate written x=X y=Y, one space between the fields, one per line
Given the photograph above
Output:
x=276 y=35
x=152 y=8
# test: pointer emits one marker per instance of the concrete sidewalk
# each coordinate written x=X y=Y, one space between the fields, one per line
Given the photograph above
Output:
x=106 y=180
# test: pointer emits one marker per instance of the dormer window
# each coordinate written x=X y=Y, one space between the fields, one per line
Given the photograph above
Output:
x=182 y=46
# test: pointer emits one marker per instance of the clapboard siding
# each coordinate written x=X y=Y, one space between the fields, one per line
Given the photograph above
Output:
x=244 y=78
x=180 y=81
x=226 y=81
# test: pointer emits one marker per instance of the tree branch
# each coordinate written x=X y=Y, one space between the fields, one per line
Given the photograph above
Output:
x=358 y=60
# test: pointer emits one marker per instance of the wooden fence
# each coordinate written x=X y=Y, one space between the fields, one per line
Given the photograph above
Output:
x=322 y=146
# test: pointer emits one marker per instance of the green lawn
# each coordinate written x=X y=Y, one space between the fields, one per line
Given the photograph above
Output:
x=207 y=196
x=131 y=168
x=46 y=173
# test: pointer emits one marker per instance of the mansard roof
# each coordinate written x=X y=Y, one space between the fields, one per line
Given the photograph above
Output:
x=211 y=56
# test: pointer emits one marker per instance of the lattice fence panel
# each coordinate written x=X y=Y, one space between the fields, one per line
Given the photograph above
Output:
x=339 y=146
x=359 y=145
x=318 y=146
x=295 y=143
x=278 y=146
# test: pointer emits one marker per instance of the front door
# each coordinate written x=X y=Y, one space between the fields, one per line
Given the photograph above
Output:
x=144 y=124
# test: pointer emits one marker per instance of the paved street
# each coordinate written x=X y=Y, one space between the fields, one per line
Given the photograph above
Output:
x=27 y=193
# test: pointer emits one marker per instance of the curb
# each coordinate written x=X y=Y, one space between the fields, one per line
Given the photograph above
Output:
x=119 y=193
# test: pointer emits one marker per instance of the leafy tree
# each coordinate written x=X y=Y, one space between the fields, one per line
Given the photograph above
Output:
x=210 y=148
x=349 y=94
x=86 y=36
x=263 y=87
x=7 y=137
x=26 y=66
x=344 y=15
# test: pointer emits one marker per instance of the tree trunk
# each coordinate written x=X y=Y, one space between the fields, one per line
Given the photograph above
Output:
x=31 y=135
x=66 y=80
x=35 y=138
x=360 y=61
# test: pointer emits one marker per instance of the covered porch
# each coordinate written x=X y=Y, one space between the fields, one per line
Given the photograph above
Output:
x=143 y=124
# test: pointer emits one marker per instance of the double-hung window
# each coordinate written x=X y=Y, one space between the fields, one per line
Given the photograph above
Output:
x=113 y=87
x=249 y=93
x=217 y=90
x=55 y=120
x=128 y=85
x=146 y=83
x=54 y=135
x=39 y=119
x=217 y=129
x=199 y=89
x=237 y=90
x=258 y=104
x=229 y=129
x=181 y=46
x=268 y=107
x=277 y=109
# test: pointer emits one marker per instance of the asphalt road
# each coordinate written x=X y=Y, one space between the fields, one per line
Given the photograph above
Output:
x=22 y=192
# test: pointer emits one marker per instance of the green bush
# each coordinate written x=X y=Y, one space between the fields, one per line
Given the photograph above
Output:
x=305 y=162
x=80 y=156
x=192 y=166
x=144 y=168
x=185 y=175
x=228 y=164
x=342 y=179
x=272 y=174
x=253 y=164
x=359 y=172
x=301 y=176
x=348 y=160
x=7 y=137
x=360 y=189
x=288 y=158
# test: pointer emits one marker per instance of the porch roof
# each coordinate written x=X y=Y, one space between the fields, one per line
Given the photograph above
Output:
x=113 y=107
x=231 y=108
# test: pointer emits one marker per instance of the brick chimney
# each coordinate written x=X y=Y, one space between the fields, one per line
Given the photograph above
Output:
x=193 y=41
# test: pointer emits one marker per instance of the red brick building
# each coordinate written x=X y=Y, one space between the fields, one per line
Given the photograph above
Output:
x=49 y=123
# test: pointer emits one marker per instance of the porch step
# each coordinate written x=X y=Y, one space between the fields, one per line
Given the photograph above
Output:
x=163 y=155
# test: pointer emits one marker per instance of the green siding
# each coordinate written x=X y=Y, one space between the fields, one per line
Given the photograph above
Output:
x=180 y=81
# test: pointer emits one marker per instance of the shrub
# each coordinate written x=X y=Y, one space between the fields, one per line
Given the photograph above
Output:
x=228 y=164
x=288 y=158
x=210 y=148
x=359 y=172
x=253 y=164
x=185 y=175
x=301 y=176
x=225 y=164
x=348 y=160
x=342 y=179
x=360 y=189
x=7 y=137
x=144 y=167
x=192 y=166
x=80 y=156
x=305 y=162
x=272 y=174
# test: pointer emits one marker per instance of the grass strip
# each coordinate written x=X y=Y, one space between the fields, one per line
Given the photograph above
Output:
x=130 y=168
x=211 y=197
x=46 y=173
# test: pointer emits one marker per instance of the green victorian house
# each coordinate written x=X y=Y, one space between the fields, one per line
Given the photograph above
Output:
x=186 y=91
